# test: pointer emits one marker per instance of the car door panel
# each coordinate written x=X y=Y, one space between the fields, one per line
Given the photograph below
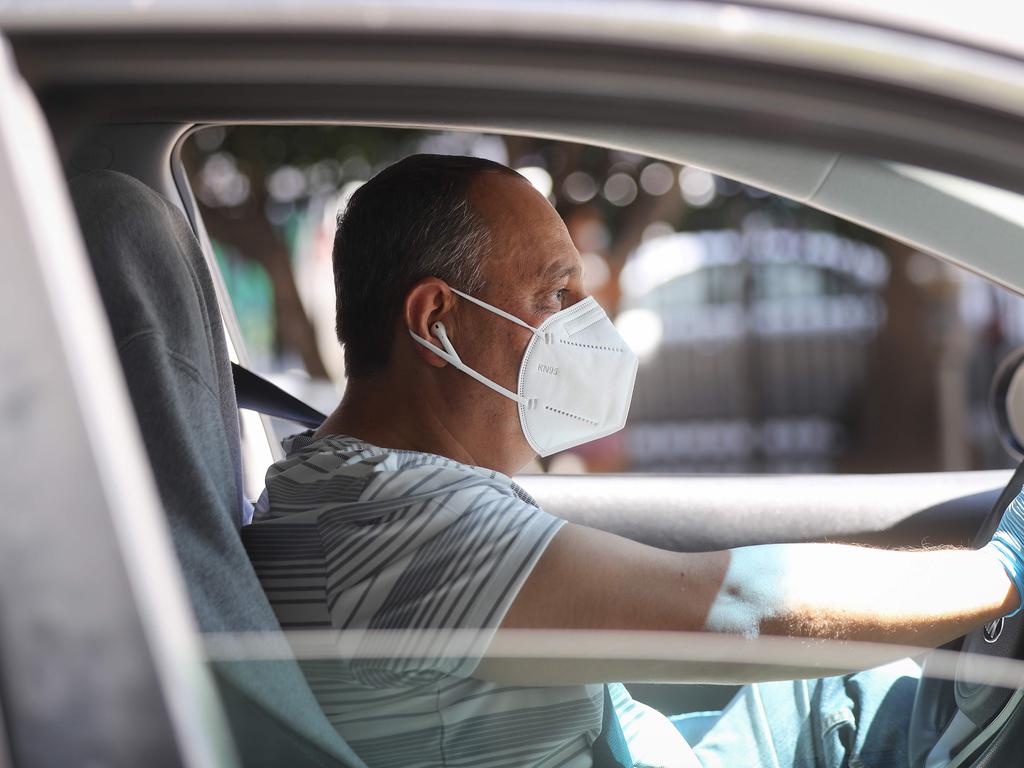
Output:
x=706 y=513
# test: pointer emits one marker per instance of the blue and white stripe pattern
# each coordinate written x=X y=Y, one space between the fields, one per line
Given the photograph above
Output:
x=1008 y=545
x=356 y=537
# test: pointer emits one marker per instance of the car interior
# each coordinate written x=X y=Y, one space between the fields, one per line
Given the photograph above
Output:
x=166 y=320
x=185 y=367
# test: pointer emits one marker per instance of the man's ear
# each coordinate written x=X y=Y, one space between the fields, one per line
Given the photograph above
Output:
x=427 y=302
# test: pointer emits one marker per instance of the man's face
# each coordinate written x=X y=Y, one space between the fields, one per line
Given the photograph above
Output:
x=533 y=271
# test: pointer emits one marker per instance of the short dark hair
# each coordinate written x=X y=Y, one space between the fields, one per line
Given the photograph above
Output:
x=412 y=220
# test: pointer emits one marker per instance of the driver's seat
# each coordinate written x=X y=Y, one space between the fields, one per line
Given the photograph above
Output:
x=163 y=313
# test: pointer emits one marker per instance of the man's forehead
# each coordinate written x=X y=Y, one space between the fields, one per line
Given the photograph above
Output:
x=508 y=200
x=529 y=236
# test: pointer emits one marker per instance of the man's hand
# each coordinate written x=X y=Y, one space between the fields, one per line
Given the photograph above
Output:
x=1008 y=546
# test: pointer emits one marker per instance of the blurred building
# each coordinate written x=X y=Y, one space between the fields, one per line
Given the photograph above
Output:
x=753 y=347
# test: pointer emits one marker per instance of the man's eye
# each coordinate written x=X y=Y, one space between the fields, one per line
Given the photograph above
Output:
x=560 y=294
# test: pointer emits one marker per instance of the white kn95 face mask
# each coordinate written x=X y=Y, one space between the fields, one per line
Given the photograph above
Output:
x=575 y=380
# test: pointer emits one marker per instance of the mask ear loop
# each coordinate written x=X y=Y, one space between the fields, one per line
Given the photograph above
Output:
x=495 y=310
x=449 y=355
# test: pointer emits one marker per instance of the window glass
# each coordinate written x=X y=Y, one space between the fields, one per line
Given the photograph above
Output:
x=772 y=337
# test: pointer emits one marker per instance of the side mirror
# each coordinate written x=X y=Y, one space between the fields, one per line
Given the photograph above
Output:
x=1007 y=403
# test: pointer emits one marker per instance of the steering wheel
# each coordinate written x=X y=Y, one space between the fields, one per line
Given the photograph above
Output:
x=961 y=708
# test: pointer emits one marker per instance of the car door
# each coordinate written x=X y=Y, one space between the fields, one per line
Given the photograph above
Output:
x=908 y=124
x=98 y=659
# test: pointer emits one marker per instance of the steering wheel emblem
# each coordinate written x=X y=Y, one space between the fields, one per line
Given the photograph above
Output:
x=993 y=630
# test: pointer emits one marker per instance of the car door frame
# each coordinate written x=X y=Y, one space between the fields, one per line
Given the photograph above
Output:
x=99 y=657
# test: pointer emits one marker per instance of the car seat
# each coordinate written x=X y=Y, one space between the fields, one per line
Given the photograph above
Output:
x=159 y=297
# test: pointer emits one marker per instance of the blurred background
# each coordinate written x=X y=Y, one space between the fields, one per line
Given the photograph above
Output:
x=772 y=337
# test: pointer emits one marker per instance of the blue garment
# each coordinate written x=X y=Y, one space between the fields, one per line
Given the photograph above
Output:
x=1008 y=546
x=610 y=747
x=853 y=721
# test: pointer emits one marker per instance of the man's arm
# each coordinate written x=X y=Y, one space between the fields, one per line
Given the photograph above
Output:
x=589 y=579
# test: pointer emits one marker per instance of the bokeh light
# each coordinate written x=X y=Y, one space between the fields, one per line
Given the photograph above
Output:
x=620 y=189
x=580 y=187
x=538 y=177
x=656 y=179
x=697 y=186
x=642 y=329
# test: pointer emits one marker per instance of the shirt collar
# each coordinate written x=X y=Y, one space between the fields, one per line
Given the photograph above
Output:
x=302 y=441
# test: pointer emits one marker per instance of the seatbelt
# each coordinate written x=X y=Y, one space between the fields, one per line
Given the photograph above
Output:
x=610 y=749
x=254 y=393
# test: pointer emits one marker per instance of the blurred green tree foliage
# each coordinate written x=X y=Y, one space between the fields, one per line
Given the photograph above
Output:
x=253 y=181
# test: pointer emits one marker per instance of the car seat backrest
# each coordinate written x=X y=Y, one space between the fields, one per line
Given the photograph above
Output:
x=163 y=312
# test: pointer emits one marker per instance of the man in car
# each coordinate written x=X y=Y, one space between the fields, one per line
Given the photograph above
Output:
x=471 y=347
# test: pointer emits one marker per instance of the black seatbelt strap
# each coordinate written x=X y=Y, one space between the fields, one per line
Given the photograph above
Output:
x=254 y=393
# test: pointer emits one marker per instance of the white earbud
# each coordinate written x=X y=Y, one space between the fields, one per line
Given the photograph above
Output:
x=442 y=335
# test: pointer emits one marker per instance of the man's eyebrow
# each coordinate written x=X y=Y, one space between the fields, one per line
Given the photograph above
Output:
x=560 y=269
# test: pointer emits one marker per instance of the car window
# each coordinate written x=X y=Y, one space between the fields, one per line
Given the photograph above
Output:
x=773 y=337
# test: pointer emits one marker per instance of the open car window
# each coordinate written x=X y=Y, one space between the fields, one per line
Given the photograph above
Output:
x=773 y=337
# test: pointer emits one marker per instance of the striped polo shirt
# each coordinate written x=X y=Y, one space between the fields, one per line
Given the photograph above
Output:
x=356 y=537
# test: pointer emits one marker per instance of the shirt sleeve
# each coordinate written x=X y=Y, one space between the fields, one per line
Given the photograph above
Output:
x=438 y=574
